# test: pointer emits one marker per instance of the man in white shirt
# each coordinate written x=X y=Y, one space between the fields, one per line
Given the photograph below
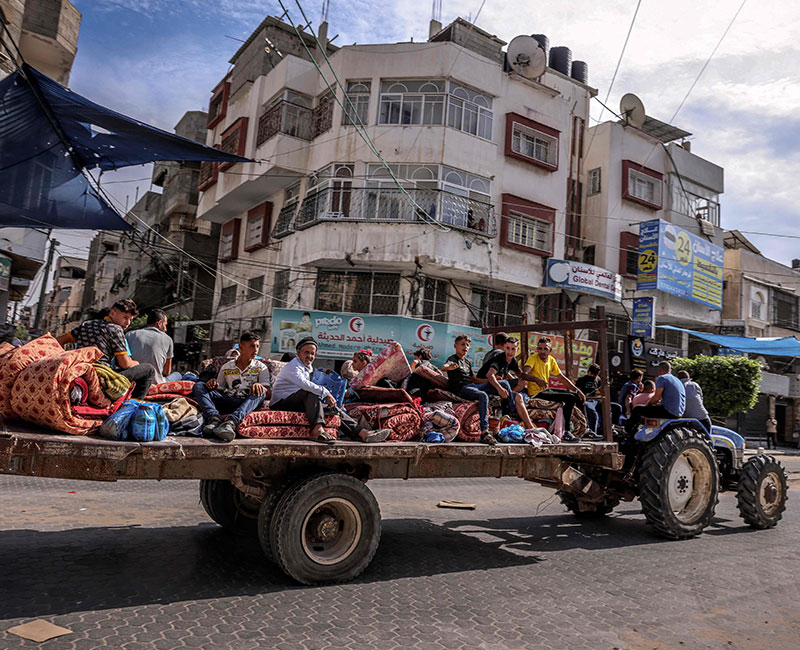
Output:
x=153 y=345
x=294 y=391
x=241 y=386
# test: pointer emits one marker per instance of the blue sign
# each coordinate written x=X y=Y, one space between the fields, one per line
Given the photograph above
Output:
x=643 y=318
x=584 y=278
x=680 y=263
x=340 y=334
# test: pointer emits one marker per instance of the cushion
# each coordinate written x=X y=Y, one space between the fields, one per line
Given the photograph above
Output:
x=281 y=431
x=378 y=395
x=181 y=387
x=280 y=418
x=391 y=364
x=15 y=361
x=432 y=374
x=468 y=420
x=404 y=426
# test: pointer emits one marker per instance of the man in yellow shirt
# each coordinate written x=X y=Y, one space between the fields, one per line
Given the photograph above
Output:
x=538 y=369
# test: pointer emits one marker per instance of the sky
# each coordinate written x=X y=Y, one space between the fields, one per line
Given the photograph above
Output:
x=156 y=59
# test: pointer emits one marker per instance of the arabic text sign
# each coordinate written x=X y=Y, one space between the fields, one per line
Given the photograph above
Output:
x=643 y=321
x=584 y=278
x=583 y=354
x=680 y=263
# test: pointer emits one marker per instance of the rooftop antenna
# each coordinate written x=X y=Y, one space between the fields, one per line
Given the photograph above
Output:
x=632 y=110
x=526 y=57
x=436 y=13
x=326 y=5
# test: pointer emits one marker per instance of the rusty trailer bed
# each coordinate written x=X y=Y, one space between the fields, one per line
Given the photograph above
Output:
x=28 y=451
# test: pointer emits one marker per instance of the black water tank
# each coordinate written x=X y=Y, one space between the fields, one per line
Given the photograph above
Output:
x=580 y=71
x=543 y=41
x=561 y=59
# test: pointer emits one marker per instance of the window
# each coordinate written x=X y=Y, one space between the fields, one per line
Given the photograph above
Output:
x=227 y=296
x=531 y=142
x=756 y=303
x=280 y=289
x=641 y=185
x=256 y=233
x=693 y=200
x=322 y=117
x=229 y=241
x=784 y=312
x=434 y=299
x=284 y=224
x=553 y=308
x=209 y=173
x=327 y=196
x=469 y=110
x=234 y=141
x=495 y=309
x=255 y=288
x=218 y=106
x=628 y=254
x=365 y=292
x=412 y=102
x=530 y=233
x=593 y=179
x=358 y=96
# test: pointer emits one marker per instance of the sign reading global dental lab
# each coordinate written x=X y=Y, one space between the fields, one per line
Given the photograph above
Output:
x=680 y=263
x=583 y=278
x=340 y=334
x=643 y=318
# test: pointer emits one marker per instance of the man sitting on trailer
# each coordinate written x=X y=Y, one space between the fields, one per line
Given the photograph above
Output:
x=294 y=391
x=669 y=400
x=538 y=369
x=108 y=335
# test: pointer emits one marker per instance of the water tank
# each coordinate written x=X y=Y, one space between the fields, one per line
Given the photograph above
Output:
x=796 y=264
x=580 y=71
x=543 y=41
x=561 y=59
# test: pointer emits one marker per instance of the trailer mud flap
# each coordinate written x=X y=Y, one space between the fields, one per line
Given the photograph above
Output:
x=557 y=473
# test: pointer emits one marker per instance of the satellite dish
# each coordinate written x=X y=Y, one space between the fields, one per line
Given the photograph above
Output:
x=632 y=110
x=526 y=57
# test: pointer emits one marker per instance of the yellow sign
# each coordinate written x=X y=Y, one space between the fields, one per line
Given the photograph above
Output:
x=648 y=261
x=683 y=248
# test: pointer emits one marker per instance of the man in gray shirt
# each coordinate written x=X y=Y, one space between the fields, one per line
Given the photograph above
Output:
x=152 y=345
x=694 y=400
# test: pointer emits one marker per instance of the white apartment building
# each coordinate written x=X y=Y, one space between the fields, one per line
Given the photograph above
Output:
x=634 y=175
x=486 y=165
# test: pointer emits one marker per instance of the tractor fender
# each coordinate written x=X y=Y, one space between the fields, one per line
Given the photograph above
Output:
x=646 y=434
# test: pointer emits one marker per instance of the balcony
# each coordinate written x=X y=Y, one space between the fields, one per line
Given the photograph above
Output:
x=367 y=205
x=285 y=117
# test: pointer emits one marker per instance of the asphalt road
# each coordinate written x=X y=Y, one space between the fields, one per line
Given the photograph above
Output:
x=139 y=565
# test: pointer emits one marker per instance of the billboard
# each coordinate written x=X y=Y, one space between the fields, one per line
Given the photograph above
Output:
x=680 y=263
x=643 y=318
x=340 y=334
x=584 y=278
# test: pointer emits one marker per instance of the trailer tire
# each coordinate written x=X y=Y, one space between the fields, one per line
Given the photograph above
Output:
x=266 y=513
x=586 y=509
x=679 y=483
x=230 y=508
x=762 y=492
x=325 y=529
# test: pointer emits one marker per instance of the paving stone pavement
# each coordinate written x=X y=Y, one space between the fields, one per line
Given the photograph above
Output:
x=138 y=565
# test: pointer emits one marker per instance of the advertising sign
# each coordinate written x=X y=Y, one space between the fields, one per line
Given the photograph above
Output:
x=643 y=318
x=646 y=356
x=340 y=334
x=583 y=278
x=5 y=272
x=680 y=263
x=583 y=354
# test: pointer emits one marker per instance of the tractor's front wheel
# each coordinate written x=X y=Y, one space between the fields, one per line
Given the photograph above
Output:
x=762 y=492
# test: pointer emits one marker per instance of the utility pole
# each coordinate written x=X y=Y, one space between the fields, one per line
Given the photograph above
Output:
x=45 y=278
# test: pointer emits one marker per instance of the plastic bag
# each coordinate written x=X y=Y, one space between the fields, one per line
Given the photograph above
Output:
x=116 y=425
x=513 y=434
x=139 y=421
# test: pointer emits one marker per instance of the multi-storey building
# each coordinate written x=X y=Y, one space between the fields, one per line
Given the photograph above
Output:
x=448 y=206
x=62 y=310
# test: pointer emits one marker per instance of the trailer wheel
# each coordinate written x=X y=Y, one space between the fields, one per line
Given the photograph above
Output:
x=586 y=509
x=325 y=529
x=267 y=512
x=230 y=508
x=762 y=492
x=679 y=483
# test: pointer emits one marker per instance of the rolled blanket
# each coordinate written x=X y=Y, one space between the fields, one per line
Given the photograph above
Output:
x=113 y=384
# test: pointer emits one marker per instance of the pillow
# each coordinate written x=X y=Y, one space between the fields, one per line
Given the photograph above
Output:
x=377 y=395
x=274 y=368
x=391 y=364
x=432 y=374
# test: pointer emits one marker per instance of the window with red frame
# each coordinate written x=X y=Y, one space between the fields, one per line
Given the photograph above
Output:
x=527 y=226
x=209 y=174
x=628 y=254
x=229 y=241
x=234 y=141
x=218 y=106
x=531 y=142
x=641 y=185
x=256 y=231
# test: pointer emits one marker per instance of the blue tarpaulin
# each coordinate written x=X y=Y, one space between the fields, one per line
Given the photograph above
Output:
x=41 y=182
x=787 y=346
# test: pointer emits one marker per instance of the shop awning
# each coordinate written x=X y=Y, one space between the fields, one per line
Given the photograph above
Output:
x=787 y=346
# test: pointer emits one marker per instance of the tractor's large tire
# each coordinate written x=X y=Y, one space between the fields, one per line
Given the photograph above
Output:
x=762 y=492
x=586 y=509
x=230 y=508
x=325 y=529
x=679 y=483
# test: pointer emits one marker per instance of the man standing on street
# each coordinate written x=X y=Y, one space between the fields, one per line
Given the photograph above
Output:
x=108 y=335
x=153 y=345
x=669 y=400
x=694 y=400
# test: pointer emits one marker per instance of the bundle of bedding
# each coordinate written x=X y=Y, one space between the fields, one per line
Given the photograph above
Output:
x=543 y=412
x=404 y=419
x=170 y=390
x=282 y=424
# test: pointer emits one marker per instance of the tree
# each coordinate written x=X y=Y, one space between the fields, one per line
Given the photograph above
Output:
x=730 y=384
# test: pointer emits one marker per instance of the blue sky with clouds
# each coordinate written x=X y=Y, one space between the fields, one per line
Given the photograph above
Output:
x=156 y=59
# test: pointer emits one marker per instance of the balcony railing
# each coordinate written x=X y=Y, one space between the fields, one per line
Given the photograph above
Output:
x=344 y=204
x=285 y=117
